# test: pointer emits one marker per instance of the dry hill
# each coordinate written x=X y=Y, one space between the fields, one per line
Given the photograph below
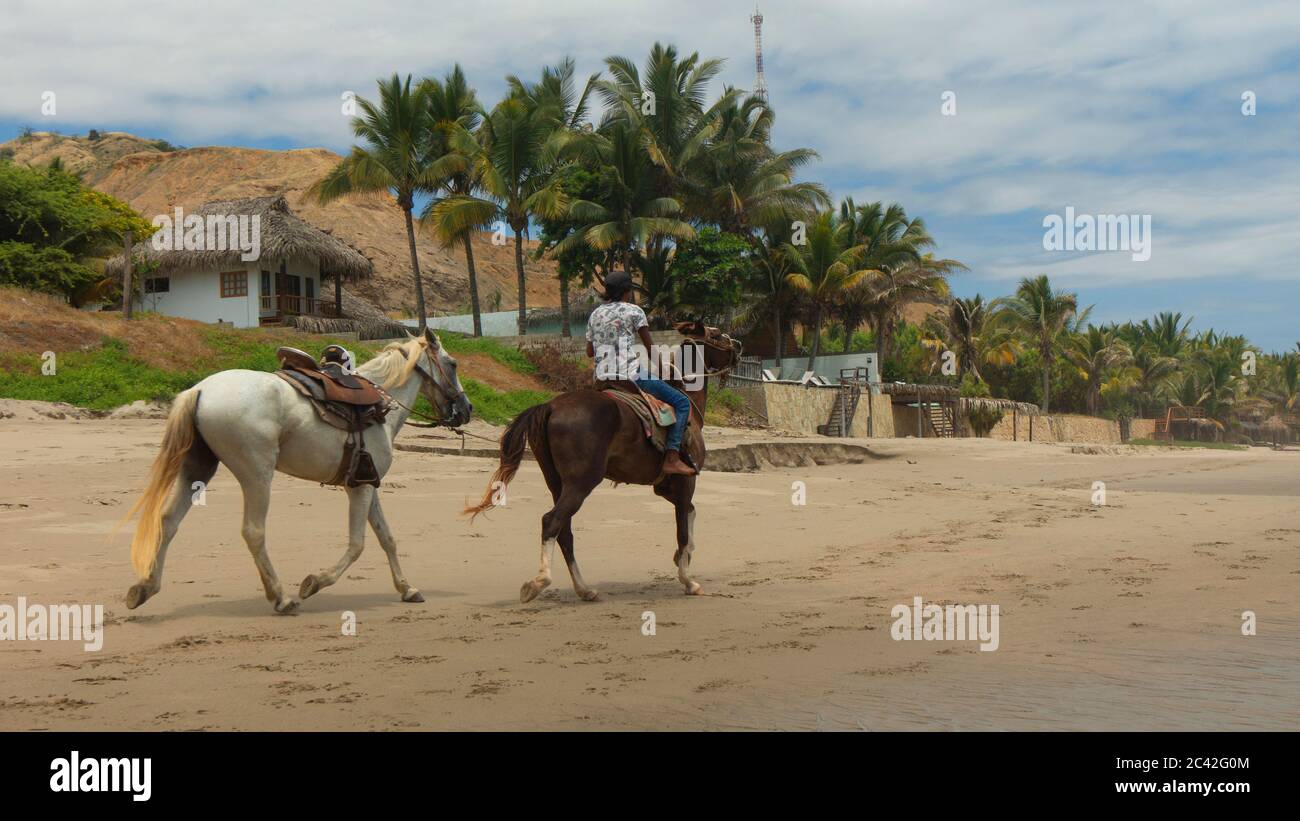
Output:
x=154 y=181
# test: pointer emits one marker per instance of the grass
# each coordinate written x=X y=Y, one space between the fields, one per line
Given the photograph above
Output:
x=104 y=375
x=1180 y=443
x=512 y=358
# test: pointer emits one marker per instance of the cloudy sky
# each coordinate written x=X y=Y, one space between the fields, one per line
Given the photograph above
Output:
x=1105 y=107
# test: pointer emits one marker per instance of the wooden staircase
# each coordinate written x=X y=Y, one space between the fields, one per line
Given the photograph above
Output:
x=1174 y=413
x=842 y=411
x=940 y=421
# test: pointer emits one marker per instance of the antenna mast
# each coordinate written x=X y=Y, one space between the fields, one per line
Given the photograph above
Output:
x=760 y=84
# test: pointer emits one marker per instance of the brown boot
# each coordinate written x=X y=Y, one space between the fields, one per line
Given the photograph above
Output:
x=673 y=464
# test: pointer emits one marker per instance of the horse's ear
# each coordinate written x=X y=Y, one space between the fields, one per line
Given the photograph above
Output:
x=699 y=329
x=432 y=338
x=694 y=329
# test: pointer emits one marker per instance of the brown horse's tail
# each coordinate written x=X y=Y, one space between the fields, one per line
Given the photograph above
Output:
x=178 y=438
x=530 y=423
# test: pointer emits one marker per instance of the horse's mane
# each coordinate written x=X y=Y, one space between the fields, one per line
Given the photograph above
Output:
x=393 y=366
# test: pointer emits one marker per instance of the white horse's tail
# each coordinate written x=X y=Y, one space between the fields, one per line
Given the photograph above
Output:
x=177 y=440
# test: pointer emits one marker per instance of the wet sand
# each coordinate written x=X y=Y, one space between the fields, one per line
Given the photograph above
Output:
x=1126 y=616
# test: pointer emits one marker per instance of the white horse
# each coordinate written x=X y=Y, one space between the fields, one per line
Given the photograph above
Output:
x=255 y=424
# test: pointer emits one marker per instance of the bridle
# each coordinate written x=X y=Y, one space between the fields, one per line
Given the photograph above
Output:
x=436 y=422
x=731 y=346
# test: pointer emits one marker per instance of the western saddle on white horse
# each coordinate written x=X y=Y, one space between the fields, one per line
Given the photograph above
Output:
x=342 y=399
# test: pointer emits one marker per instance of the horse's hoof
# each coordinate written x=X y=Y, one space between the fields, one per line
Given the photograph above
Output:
x=414 y=596
x=529 y=591
x=589 y=595
x=693 y=589
x=286 y=607
x=136 y=596
x=310 y=586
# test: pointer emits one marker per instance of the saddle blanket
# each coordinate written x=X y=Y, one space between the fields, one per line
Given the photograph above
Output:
x=654 y=429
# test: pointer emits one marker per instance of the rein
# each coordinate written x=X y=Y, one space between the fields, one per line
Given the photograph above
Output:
x=434 y=421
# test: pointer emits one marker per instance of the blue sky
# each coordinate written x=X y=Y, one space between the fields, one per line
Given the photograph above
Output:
x=1106 y=107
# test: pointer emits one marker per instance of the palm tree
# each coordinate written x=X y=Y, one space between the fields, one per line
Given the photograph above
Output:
x=822 y=268
x=513 y=160
x=1095 y=353
x=893 y=286
x=557 y=93
x=853 y=306
x=1167 y=333
x=739 y=182
x=665 y=108
x=397 y=158
x=892 y=246
x=770 y=290
x=629 y=215
x=452 y=105
x=968 y=328
x=1045 y=318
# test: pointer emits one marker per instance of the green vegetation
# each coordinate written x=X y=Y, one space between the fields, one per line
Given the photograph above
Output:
x=107 y=376
x=499 y=407
x=50 y=223
x=512 y=358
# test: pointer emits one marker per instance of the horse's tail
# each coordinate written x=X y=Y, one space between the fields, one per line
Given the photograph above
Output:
x=178 y=438
x=530 y=423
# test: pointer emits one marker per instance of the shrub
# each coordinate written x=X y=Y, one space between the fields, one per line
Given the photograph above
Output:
x=982 y=418
x=557 y=370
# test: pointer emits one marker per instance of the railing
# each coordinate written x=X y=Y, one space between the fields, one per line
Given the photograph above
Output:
x=749 y=368
x=301 y=305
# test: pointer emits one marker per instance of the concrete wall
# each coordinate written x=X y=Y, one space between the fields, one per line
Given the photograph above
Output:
x=576 y=345
x=197 y=294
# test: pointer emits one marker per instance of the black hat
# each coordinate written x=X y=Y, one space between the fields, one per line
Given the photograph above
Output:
x=617 y=283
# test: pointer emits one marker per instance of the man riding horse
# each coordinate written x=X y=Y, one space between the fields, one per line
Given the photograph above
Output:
x=582 y=437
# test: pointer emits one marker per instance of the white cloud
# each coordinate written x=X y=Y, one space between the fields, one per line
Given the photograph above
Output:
x=1109 y=106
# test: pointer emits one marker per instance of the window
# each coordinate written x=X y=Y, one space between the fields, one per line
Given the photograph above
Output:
x=311 y=288
x=157 y=285
x=234 y=283
x=266 y=284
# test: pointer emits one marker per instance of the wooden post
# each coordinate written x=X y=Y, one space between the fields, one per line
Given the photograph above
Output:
x=1031 y=428
x=920 y=431
x=126 y=275
x=1015 y=425
x=338 y=291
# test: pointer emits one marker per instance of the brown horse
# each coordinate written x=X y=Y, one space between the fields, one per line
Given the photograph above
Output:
x=582 y=437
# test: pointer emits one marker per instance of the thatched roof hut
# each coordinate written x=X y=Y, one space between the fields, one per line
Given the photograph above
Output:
x=246 y=262
x=284 y=237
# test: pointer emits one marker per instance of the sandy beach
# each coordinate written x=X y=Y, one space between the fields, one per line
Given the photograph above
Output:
x=1126 y=616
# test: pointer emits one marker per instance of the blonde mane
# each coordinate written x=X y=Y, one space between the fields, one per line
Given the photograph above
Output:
x=392 y=367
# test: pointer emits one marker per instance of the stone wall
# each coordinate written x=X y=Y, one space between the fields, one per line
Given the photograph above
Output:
x=798 y=408
x=1065 y=427
x=881 y=418
x=1142 y=429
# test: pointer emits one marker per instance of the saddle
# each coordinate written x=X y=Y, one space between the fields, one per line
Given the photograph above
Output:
x=655 y=416
x=342 y=400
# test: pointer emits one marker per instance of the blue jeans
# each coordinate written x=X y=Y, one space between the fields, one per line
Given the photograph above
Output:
x=664 y=392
